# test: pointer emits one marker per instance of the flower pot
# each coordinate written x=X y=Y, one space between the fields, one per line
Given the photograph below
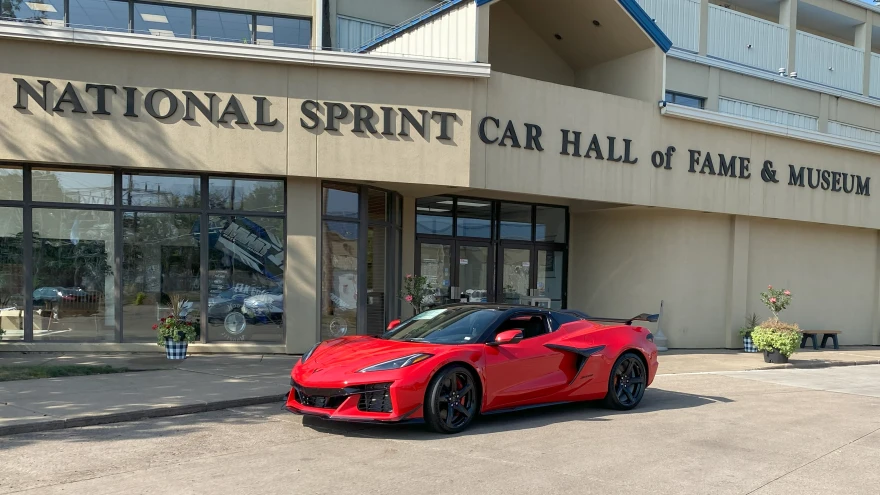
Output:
x=774 y=357
x=175 y=350
x=749 y=344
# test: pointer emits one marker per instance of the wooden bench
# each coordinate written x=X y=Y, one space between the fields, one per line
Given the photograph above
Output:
x=814 y=335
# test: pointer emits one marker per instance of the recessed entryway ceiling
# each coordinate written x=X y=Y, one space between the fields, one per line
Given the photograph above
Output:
x=581 y=43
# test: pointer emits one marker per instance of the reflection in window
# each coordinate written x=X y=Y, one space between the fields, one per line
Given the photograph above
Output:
x=111 y=14
x=550 y=224
x=11 y=275
x=93 y=188
x=246 y=279
x=474 y=218
x=73 y=275
x=162 y=20
x=161 y=190
x=282 y=31
x=223 y=26
x=434 y=215
x=11 y=185
x=48 y=12
x=160 y=258
x=516 y=222
x=377 y=244
x=341 y=201
x=246 y=194
x=377 y=203
x=339 y=279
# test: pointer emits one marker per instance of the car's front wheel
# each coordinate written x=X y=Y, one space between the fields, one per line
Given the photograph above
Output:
x=626 y=385
x=452 y=401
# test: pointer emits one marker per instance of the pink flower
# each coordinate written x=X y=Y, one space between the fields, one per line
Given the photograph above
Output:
x=773 y=299
x=408 y=298
x=155 y=327
x=770 y=287
x=787 y=293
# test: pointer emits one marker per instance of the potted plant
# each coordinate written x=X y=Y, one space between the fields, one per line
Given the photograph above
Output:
x=746 y=333
x=776 y=338
x=417 y=292
x=174 y=331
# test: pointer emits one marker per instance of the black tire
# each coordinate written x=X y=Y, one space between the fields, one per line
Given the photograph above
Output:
x=626 y=383
x=452 y=391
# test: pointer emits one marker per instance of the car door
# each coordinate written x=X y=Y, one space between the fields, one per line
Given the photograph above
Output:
x=525 y=372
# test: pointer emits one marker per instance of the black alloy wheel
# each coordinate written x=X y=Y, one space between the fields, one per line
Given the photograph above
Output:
x=626 y=385
x=451 y=402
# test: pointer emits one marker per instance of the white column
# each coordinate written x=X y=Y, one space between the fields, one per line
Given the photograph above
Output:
x=301 y=267
x=824 y=111
x=318 y=19
x=863 y=42
x=788 y=18
x=704 y=27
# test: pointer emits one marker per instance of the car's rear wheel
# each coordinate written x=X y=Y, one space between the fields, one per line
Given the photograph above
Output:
x=626 y=385
x=451 y=402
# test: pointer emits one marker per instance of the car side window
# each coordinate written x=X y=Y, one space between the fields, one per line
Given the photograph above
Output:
x=531 y=324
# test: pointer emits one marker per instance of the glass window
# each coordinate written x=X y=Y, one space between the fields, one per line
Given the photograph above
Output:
x=377 y=204
x=246 y=194
x=377 y=247
x=341 y=201
x=160 y=258
x=11 y=184
x=283 y=31
x=111 y=14
x=516 y=222
x=435 y=264
x=94 y=188
x=550 y=270
x=163 y=20
x=474 y=218
x=246 y=279
x=73 y=275
x=339 y=279
x=161 y=190
x=11 y=275
x=223 y=26
x=550 y=224
x=48 y=12
x=688 y=101
x=434 y=215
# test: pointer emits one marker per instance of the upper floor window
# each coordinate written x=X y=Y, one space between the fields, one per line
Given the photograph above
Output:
x=162 y=20
x=49 y=12
x=283 y=31
x=685 y=100
x=112 y=14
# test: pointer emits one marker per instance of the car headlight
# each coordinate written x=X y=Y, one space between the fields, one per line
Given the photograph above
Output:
x=308 y=354
x=398 y=363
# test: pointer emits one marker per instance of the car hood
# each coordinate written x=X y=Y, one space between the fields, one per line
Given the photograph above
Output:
x=350 y=354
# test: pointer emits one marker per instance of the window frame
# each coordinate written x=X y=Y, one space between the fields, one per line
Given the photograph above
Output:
x=676 y=94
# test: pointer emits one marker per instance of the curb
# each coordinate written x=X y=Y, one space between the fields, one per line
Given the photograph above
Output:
x=804 y=365
x=159 y=412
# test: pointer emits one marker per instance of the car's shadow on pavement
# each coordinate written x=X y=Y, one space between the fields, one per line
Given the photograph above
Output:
x=655 y=400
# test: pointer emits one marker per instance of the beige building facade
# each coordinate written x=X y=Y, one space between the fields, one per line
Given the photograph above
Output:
x=285 y=192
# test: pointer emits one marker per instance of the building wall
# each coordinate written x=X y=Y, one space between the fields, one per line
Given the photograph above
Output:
x=516 y=49
x=625 y=261
x=639 y=76
x=302 y=269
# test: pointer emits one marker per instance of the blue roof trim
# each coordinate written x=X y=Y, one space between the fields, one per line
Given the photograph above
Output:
x=630 y=6
x=648 y=24
x=415 y=21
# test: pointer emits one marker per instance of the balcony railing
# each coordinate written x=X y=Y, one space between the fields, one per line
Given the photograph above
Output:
x=828 y=62
x=747 y=40
x=679 y=19
x=767 y=114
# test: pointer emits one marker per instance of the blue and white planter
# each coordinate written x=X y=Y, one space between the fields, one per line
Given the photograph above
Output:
x=749 y=345
x=175 y=350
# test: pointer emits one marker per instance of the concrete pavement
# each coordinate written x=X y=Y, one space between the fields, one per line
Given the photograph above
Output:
x=723 y=433
x=211 y=382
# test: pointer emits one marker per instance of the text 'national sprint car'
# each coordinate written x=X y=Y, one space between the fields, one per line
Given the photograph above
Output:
x=447 y=365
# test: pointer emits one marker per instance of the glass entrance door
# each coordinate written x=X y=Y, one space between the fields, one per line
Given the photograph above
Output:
x=549 y=276
x=435 y=264
x=474 y=272
x=515 y=274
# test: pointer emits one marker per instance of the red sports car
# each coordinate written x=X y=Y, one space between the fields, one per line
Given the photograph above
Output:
x=447 y=365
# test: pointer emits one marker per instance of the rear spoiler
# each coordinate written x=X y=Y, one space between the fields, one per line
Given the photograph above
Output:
x=627 y=321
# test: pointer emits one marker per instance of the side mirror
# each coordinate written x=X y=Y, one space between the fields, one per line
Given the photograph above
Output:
x=392 y=325
x=507 y=337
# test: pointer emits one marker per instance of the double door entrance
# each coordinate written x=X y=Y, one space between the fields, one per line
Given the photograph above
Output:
x=506 y=272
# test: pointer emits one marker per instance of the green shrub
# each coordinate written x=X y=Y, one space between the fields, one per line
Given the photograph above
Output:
x=773 y=335
x=139 y=298
x=751 y=323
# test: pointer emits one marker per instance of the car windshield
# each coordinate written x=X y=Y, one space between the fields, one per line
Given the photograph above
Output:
x=462 y=325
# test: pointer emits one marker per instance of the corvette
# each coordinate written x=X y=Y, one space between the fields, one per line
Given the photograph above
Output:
x=446 y=366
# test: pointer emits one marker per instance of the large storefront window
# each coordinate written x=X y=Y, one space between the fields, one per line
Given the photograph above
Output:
x=360 y=242
x=107 y=252
x=477 y=250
